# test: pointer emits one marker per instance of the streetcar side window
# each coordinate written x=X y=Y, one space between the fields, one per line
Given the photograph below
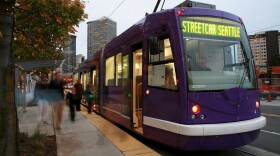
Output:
x=113 y=74
x=118 y=68
x=159 y=49
x=161 y=68
x=125 y=67
x=109 y=75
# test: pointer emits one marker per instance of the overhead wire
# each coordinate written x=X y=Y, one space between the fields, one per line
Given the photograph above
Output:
x=265 y=28
x=116 y=8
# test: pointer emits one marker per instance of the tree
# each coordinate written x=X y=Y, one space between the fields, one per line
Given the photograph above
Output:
x=43 y=26
x=40 y=30
x=8 y=114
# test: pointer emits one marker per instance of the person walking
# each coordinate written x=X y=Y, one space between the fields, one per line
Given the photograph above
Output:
x=57 y=97
x=79 y=91
x=90 y=97
x=71 y=99
x=42 y=97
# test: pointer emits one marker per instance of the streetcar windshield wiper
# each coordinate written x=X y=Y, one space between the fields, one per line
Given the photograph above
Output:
x=245 y=64
x=244 y=73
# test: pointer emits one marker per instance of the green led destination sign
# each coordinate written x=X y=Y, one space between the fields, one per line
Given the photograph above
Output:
x=210 y=29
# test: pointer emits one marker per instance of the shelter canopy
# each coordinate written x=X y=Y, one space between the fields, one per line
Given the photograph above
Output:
x=38 y=64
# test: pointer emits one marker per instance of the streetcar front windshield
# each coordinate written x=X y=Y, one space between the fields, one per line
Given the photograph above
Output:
x=217 y=54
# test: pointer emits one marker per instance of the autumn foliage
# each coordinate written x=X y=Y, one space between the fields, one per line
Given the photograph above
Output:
x=42 y=26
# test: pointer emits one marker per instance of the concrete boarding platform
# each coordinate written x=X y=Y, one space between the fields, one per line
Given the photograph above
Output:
x=89 y=134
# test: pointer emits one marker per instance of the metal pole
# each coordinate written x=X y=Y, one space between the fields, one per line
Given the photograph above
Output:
x=156 y=6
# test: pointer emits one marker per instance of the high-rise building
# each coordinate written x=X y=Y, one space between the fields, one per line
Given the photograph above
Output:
x=69 y=51
x=79 y=59
x=266 y=50
x=100 y=32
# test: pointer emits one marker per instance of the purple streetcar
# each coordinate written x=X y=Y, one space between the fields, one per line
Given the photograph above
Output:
x=184 y=77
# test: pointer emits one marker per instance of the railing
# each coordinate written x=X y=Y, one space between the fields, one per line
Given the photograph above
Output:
x=269 y=86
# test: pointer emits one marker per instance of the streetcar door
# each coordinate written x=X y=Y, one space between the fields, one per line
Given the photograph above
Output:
x=137 y=90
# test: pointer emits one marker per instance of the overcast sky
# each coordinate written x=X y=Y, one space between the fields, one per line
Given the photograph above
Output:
x=258 y=15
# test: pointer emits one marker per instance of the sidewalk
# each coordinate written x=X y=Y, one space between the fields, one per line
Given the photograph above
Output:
x=90 y=134
x=274 y=102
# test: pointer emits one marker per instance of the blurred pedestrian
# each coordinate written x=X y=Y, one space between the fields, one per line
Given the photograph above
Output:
x=42 y=97
x=71 y=99
x=57 y=96
x=79 y=91
x=90 y=97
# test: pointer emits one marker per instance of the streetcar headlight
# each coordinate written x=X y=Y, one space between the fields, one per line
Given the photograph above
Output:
x=147 y=91
x=195 y=109
x=257 y=104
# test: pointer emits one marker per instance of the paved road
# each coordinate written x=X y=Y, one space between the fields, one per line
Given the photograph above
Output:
x=269 y=138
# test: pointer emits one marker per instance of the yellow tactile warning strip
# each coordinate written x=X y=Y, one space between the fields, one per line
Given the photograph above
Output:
x=123 y=141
